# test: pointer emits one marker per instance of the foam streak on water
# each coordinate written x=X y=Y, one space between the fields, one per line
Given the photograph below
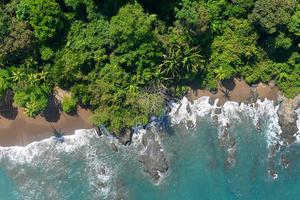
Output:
x=49 y=157
x=27 y=153
x=187 y=112
x=298 y=125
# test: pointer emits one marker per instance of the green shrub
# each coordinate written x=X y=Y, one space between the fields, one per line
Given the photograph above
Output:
x=33 y=100
x=68 y=104
x=46 y=53
x=212 y=85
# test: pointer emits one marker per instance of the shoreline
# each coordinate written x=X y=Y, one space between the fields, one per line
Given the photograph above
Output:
x=238 y=91
x=23 y=130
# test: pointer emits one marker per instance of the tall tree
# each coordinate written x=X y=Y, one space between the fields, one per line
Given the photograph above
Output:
x=181 y=63
x=194 y=16
x=294 y=24
x=45 y=17
x=85 y=49
x=17 y=43
x=271 y=15
x=4 y=25
x=133 y=42
x=234 y=49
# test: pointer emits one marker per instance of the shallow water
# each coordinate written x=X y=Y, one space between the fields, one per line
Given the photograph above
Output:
x=85 y=167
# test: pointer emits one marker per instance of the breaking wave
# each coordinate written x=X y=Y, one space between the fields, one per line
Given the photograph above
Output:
x=187 y=112
x=50 y=167
x=298 y=125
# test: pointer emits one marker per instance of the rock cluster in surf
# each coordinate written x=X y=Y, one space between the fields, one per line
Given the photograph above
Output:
x=288 y=118
x=153 y=157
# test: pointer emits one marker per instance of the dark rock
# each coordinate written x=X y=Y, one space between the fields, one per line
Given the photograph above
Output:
x=188 y=109
x=228 y=142
x=254 y=86
x=144 y=141
x=102 y=170
x=211 y=101
x=190 y=124
x=272 y=84
x=114 y=147
x=215 y=119
x=230 y=161
x=153 y=159
x=231 y=142
x=284 y=161
x=218 y=111
x=258 y=125
x=177 y=111
x=214 y=92
x=167 y=108
x=287 y=118
x=125 y=136
x=252 y=98
x=99 y=132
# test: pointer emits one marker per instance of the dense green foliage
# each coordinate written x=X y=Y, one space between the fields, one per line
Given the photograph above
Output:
x=44 y=16
x=68 y=104
x=121 y=58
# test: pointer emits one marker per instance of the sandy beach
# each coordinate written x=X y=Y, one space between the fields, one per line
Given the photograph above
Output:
x=23 y=130
x=18 y=129
x=237 y=90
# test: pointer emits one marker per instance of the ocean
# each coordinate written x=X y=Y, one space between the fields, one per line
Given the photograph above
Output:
x=233 y=152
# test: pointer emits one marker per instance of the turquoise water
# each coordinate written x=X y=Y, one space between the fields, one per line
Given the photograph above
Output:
x=85 y=167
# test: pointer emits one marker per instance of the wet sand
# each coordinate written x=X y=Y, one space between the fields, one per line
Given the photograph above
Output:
x=237 y=90
x=23 y=130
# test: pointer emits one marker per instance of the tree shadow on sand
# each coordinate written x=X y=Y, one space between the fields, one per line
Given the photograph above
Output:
x=51 y=113
x=226 y=87
x=7 y=109
x=226 y=93
x=228 y=84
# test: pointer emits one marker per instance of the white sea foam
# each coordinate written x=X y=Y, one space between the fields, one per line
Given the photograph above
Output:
x=138 y=131
x=51 y=154
x=298 y=125
x=25 y=154
x=187 y=112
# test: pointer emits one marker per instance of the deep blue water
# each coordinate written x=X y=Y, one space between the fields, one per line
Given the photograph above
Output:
x=88 y=168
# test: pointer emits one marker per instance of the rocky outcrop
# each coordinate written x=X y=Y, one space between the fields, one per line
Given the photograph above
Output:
x=228 y=142
x=98 y=130
x=272 y=84
x=153 y=157
x=114 y=147
x=253 y=96
x=288 y=118
x=125 y=136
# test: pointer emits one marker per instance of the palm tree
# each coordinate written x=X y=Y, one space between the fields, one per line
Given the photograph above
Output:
x=30 y=109
x=29 y=63
x=215 y=27
x=282 y=76
x=43 y=75
x=158 y=81
x=33 y=79
x=18 y=75
x=133 y=88
x=180 y=60
x=171 y=64
x=220 y=73
x=192 y=60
